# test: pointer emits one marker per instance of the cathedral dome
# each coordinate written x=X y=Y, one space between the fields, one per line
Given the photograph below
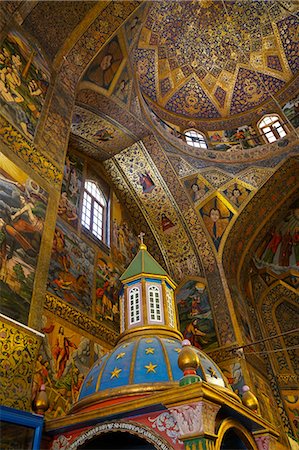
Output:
x=148 y=363
x=207 y=60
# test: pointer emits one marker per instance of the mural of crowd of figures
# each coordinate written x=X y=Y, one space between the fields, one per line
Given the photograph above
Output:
x=63 y=362
x=124 y=243
x=280 y=249
x=195 y=314
x=71 y=268
x=24 y=81
x=68 y=207
x=244 y=137
x=107 y=292
x=22 y=213
x=291 y=111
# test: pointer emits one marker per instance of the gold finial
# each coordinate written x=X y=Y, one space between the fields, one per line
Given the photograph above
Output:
x=41 y=402
x=142 y=245
x=249 y=399
x=188 y=360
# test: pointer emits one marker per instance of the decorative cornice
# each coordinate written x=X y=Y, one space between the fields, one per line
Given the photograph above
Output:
x=72 y=315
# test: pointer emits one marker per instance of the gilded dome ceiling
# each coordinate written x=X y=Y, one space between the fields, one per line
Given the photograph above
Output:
x=212 y=59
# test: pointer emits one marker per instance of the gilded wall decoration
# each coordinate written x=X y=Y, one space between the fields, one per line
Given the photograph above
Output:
x=24 y=81
x=255 y=176
x=99 y=131
x=18 y=351
x=283 y=361
x=71 y=269
x=216 y=217
x=195 y=314
x=107 y=292
x=23 y=206
x=182 y=167
x=287 y=317
x=216 y=177
x=105 y=66
x=267 y=405
x=28 y=153
x=124 y=243
x=153 y=195
x=62 y=363
x=280 y=249
x=236 y=193
x=68 y=207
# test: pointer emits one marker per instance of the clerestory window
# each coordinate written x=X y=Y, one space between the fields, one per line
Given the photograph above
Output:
x=271 y=128
x=195 y=139
x=94 y=210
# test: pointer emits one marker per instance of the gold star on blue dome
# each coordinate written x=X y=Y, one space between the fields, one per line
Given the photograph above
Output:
x=151 y=367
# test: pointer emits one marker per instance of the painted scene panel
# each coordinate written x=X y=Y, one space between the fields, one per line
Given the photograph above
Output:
x=244 y=137
x=23 y=206
x=68 y=208
x=62 y=364
x=107 y=292
x=195 y=315
x=71 y=269
x=24 y=81
x=124 y=243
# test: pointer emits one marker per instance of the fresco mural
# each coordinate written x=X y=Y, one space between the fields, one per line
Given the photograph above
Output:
x=280 y=249
x=124 y=243
x=291 y=110
x=24 y=81
x=236 y=194
x=71 y=269
x=195 y=314
x=62 y=364
x=216 y=217
x=68 y=207
x=107 y=292
x=233 y=372
x=123 y=87
x=291 y=401
x=197 y=188
x=22 y=214
x=104 y=67
x=236 y=139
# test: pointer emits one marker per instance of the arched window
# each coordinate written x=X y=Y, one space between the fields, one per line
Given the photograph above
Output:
x=195 y=139
x=134 y=301
x=272 y=128
x=94 y=210
x=154 y=303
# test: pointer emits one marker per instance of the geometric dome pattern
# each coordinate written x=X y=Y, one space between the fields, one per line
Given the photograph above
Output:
x=147 y=360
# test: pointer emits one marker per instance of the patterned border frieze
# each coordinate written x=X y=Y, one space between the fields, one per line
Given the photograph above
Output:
x=36 y=160
x=66 y=312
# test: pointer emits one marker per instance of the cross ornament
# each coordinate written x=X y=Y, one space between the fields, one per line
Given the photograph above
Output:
x=140 y=235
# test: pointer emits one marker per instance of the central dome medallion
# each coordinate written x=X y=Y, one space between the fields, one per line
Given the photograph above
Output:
x=211 y=59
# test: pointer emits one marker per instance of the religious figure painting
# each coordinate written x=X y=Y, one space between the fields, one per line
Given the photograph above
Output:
x=68 y=207
x=195 y=314
x=196 y=188
x=234 y=375
x=242 y=138
x=216 y=217
x=237 y=194
x=291 y=110
x=107 y=292
x=105 y=66
x=122 y=89
x=124 y=243
x=280 y=249
x=61 y=365
x=71 y=269
x=24 y=81
x=22 y=213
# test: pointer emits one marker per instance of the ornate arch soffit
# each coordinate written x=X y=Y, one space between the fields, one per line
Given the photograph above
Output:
x=277 y=191
x=134 y=428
